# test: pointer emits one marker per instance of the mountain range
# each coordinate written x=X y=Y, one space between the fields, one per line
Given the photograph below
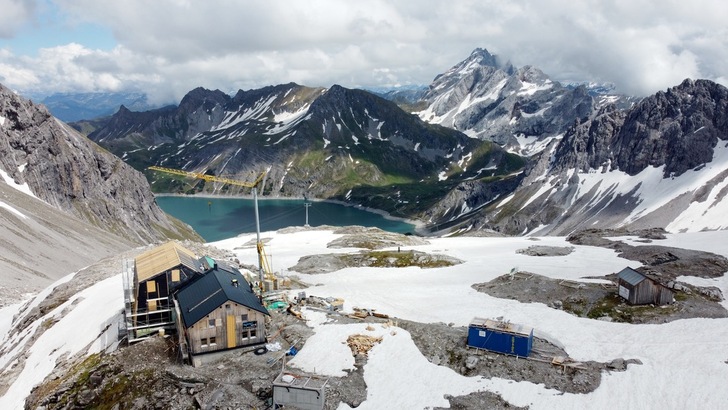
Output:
x=488 y=146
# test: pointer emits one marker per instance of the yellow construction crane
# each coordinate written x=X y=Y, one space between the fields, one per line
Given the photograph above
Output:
x=264 y=270
x=211 y=178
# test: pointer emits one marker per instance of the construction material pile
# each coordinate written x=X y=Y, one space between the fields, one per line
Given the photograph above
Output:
x=361 y=344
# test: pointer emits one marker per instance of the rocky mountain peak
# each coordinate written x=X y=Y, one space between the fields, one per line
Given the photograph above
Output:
x=71 y=173
x=677 y=128
x=479 y=59
x=203 y=98
x=500 y=103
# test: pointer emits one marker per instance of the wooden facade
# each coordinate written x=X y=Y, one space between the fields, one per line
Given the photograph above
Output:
x=219 y=311
x=229 y=326
x=639 y=289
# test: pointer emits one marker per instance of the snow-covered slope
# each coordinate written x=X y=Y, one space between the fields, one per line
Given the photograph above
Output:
x=41 y=244
x=662 y=163
x=681 y=360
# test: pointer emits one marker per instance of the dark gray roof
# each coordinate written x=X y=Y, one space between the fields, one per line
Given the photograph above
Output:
x=212 y=290
x=631 y=276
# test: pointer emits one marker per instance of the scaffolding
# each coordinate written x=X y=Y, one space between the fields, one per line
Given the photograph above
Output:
x=141 y=323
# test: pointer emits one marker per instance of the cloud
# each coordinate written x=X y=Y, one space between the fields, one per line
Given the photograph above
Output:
x=15 y=14
x=168 y=47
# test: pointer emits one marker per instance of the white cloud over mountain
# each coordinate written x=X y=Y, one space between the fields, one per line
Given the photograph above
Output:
x=169 y=47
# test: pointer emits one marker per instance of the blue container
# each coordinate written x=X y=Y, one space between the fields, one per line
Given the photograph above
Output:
x=501 y=337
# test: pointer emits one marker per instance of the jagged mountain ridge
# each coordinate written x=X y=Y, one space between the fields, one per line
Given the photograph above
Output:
x=328 y=143
x=663 y=163
x=527 y=106
x=73 y=174
x=516 y=107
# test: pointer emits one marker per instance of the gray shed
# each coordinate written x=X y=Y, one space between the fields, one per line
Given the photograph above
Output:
x=639 y=289
x=300 y=391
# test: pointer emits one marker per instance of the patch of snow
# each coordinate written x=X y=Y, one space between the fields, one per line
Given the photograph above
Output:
x=417 y=146
x=12 y=210
x=463 y=162
x=531 y=88
x=545 y=187
x=286 y=120
x=24 y=188
x=396 y=367
x=2 y=121
x=442 y=176
x=505 y=200
x=531 y=145
x=88 y=327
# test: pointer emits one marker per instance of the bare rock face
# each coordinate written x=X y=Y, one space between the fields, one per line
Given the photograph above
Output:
x=678 y=128
x=71 y=173
x=677 y=131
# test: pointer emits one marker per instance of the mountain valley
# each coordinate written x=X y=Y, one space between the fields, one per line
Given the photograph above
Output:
x=535 y=193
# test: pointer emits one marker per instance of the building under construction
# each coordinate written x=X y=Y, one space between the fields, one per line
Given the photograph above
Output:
x=207 y=303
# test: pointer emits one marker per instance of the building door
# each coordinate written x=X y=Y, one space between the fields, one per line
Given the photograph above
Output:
x=231 y=335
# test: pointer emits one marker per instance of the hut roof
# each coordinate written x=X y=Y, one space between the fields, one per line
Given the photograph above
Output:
x=162 y=258
x=501 y=327
x=221 y=284
x=631 y=276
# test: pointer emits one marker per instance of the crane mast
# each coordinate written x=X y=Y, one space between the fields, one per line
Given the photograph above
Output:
x=262 y=262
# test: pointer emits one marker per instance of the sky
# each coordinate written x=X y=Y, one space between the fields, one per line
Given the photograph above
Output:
x=166 y=48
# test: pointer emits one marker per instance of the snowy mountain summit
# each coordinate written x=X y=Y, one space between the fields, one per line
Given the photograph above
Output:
x=516 y=107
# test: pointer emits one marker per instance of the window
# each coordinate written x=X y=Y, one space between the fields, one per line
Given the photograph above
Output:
x=244 y=317
x=210 y=322
x=245 y=334
x=213 y=341
x=203 y=342
x=227 y=306
x=253 y=333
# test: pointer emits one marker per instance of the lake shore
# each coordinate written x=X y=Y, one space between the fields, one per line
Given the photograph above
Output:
x=418 y=226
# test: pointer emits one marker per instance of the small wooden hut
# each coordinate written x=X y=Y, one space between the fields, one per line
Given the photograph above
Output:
x=639 y=289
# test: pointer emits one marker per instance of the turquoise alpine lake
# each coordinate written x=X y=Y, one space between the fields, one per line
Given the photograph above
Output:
x=222 y=218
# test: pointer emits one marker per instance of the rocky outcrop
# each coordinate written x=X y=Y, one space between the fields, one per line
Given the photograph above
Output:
x=73 y=174
x=678 y=129
x=658 y=164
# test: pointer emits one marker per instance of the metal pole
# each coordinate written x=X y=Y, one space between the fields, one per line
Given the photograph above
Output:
x=306 y=204
x=257 y=236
